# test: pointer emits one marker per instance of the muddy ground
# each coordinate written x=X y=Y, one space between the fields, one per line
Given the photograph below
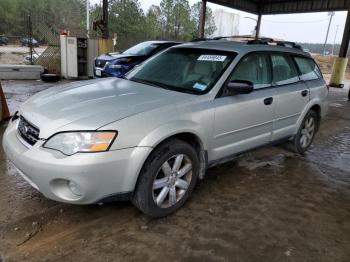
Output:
x=270 y=205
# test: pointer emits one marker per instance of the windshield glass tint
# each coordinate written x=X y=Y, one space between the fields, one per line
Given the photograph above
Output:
x=144 y=48
x=183 y=69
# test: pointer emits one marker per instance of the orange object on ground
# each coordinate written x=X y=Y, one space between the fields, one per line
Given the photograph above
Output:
x=5 y=114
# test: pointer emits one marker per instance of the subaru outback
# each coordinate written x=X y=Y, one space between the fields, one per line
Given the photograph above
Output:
x=149 y=137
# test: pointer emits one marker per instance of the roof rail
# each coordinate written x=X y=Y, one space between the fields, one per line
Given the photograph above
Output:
x=270 y=41
x=241 y=37
x=234 y=37
x=200 y=39
x=251 y=40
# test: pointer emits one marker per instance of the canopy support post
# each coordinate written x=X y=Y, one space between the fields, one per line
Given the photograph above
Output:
x=258 y=25
x=340 y=63
x=202 y=19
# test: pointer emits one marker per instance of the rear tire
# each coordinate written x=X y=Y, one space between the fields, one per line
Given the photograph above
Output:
x=50 y=77
x=306 y=133
x=167 y=179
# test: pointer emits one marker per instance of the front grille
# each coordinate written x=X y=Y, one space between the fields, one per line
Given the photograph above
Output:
x=28 y=131
x=100 y=63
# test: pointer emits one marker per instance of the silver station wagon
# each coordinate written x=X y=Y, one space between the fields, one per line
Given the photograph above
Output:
x=149 y=137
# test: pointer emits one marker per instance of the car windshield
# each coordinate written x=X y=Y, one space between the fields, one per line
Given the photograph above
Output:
x=189 y=70
x=144 y=48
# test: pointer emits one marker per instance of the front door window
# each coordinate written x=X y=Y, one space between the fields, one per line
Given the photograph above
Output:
x=255 y=69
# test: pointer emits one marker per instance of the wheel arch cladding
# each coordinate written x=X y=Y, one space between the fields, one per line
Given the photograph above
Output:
x=317 y=109
x=190 y=138
x=314 y=104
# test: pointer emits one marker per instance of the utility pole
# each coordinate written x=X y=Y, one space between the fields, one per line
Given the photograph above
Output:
x=87 y=18
x=335 y=39
x=105 y=32
x=331 y=14
x=102 y=24
x=30 y=38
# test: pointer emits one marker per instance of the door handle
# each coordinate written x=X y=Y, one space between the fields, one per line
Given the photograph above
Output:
x=304 y=93
x=268 y=101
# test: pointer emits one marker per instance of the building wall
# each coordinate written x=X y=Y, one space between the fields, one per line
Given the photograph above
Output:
x=226 y=23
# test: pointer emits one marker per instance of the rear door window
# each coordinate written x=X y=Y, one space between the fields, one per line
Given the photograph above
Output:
x=283 y=70
x=308 y=68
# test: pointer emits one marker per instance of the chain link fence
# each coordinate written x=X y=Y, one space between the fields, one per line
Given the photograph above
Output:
x=40 y=44
x=14 y=52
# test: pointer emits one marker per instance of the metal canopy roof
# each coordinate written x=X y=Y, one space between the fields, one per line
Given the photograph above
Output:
x=270 y=7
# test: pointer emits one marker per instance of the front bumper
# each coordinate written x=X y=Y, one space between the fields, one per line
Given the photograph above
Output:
x=97 y=175
x=105 y=73
x=101 y=72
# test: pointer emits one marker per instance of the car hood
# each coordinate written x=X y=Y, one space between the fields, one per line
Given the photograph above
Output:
x=92 y=104
x=110 y=57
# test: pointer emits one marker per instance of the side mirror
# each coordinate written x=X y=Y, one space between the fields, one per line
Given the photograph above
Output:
x=240 y=87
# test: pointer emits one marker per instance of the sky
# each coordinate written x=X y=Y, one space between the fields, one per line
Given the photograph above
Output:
x=310 y=27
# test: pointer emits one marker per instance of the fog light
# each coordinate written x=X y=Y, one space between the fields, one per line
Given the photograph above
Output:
x=74 y=188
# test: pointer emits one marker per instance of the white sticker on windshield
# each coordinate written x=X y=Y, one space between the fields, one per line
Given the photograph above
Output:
x=215 y=58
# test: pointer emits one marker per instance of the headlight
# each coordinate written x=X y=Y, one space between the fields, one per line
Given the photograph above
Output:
x=106 y=65
x=115 y=66
x=70 y=143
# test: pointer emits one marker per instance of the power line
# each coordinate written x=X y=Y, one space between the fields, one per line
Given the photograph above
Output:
x=295 y=22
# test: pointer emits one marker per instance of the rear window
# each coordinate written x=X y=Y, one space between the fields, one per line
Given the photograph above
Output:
x=308 y=68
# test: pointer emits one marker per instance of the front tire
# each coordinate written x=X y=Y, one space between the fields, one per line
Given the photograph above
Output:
x=167 y=179
x=306 y=133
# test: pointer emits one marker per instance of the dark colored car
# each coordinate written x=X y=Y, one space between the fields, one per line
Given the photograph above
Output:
x=25 y=41
x=118 y=64
x=3 y=40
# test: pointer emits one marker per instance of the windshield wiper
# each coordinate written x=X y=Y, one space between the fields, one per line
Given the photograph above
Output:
x=188 y=91
x=165 y=86
x=149 y=82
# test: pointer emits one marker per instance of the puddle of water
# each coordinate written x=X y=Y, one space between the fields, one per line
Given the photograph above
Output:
x=334 y=152
x=252 y=163
x=335 y=105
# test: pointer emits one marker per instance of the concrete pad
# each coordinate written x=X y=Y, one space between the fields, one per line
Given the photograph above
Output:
x=20 y=72
x=269 y=205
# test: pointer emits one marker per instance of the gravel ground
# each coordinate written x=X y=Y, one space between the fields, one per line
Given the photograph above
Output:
x=270 y=205
x=11 y=54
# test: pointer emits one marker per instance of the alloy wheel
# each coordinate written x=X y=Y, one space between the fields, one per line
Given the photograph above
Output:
x=172 y=180
x=307 y=133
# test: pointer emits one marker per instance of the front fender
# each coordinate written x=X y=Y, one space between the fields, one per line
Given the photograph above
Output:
x=165 y=131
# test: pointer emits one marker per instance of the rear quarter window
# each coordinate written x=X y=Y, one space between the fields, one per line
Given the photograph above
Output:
x=308 y=69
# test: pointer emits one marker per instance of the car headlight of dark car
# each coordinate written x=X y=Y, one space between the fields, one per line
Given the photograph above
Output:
x=115 y=66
